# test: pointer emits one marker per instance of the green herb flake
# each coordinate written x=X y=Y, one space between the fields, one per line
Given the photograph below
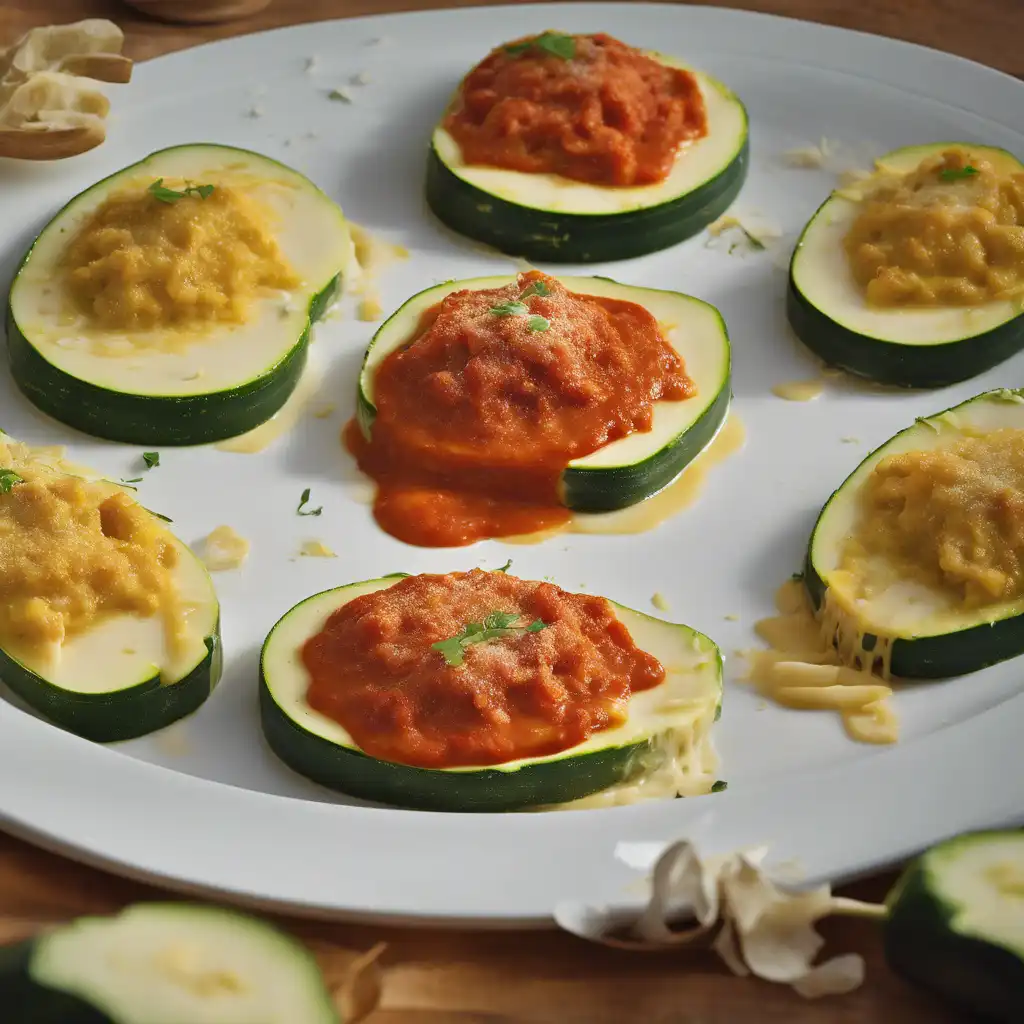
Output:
x=505 y=567
x=753 y=241
x=557 y=44
x=169 y=195
x=957 y=173
x=303 y=501
x=8 y=478
x=720 y=786
x=166 y=519
x=510 y=309
x=538 y=323
x=151 y=459
x=495 y=626
x=535 y=288
x=797 y=577
x=133 y=480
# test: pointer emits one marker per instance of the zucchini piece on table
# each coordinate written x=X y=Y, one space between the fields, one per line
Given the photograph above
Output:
x=956 y=924
x=172 y=337
x=164 y=963
x=920 y=338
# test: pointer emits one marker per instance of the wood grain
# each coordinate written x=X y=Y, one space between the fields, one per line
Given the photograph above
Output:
x=447 y=977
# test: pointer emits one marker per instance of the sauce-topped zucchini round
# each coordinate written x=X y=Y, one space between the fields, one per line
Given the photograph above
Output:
x=582 y=149
x=915 y=276
x=918 y=558
x=109 y=625
x=494 y=406
x=171 y=303
x=479 y=691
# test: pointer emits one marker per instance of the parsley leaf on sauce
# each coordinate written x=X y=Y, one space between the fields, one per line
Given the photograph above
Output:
x=555 y=43
x=495 y=626
x=538 y=323
x=168 y=195
x=151 y=459
x=956 y=173
x=302 y=505
x=536 y=288
x=510 y=309
x=8 y=478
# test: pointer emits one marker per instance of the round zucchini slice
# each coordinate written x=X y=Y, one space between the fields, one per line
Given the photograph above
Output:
x=118 y=680
x=164 y=386
x=548 y=217
x=909 y=347
x=932 y=636
x=156 y=963
x=627 y=471
x=687 y=701
x=956 y=924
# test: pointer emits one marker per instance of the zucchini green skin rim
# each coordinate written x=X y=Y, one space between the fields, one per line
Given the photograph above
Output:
x=576 y=237
x=931 y=657
x=26 y=1000
x=155 y=419
x=607 y=488
x=355 y=773
x=921 y=946
x=122 y=714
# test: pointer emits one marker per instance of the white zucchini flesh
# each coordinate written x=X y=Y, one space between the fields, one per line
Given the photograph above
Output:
x=181 y=964
x=821 y=272
x=122 y=651
x=982 y=879
x=310 y=230
x=698 y=162
x=692 y=685
x=908 y=609
x=692 y=327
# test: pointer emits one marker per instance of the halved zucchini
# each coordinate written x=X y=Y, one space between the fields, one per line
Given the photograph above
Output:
x=956 y=924
x=228 y=378
x=316 y=746
x=932 y=637
x=164 y=963
x=548 y=217
x=629 y=470
x=911 y=347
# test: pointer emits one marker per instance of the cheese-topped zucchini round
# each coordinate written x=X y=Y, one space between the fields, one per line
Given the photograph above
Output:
x=557 y=219
x=931 y=634
x=164 y=963
x=633 y=468
x=911 y=346
x=178 y=385
x=674 y=716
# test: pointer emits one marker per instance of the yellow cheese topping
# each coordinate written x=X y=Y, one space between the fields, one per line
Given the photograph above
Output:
x=140 y=263
x=951 y=232
x=73 y=551
x=951 y=518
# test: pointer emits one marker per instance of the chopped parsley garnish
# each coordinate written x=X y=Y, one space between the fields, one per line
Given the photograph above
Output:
x=303 y=511
x=510 y=309
x=166 y=519
x=555 y=43
x=719 y=786
x=133 y=480
x=535 y=288
x=151 y=459
x=956 y=173
x=158 y=190
x=494 y=626
x=538 y=323
x=8 y=478
x=505 y=567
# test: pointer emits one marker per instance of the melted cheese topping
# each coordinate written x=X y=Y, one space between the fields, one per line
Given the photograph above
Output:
x=224 y=549
x=74 y=552
x=824 y=662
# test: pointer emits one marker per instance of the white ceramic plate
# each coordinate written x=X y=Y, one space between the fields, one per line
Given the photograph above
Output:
x=206 y=806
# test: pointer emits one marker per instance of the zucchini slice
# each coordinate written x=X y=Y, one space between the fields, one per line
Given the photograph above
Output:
x=548 y=217
x=911 y=347
x=627 y=471
x=119 y=680
x=932 y=636
x=164 y=963
x=956 y=924
x=225 y=380
x=316 y=746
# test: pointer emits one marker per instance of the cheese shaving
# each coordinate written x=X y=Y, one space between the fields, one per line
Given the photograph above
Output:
x=316 y=549
x=224 y=549
x=730 y=901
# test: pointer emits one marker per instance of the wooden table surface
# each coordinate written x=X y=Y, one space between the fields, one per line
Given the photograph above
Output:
x=437 y=977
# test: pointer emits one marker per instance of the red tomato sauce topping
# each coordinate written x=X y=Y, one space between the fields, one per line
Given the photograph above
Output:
x=372 y=669
x=498 y=390
x=608 y=114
